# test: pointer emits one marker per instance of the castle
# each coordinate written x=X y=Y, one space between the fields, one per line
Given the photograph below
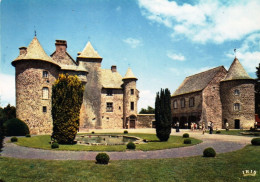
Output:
x=109 y=101
x=216 y=95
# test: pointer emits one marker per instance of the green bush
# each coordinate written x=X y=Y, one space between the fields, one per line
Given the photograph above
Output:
x=93 y=132
x=185 y=135
x=256 y=134
x=130 y=145
x=28 y=135
x=209 y=152
x=16 y=127
x=218 y=132
x=102 y=158
x=14 y=139
x=255 y=141
x=54 y=145
x=187 y=141
x=125 y=132
x=2 y=135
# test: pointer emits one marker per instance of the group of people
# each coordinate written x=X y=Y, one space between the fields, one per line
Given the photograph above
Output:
x=195 y=126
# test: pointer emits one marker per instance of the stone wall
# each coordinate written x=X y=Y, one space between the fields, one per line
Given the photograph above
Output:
x=29 y=100
x=145 y=120
x=245 y=98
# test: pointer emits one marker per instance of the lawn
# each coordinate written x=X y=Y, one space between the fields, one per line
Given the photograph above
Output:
x=225 y=167
x=42 y=142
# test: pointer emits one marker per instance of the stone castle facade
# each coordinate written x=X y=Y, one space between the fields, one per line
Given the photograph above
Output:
x=110 y=100
x=216 y=95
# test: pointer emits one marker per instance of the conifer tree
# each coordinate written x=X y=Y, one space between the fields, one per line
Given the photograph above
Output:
x=163 y=114
x=257 y=91
x=67 y=97
x=1 y=135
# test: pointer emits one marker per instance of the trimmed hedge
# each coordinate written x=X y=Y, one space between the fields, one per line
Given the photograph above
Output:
x=102 y=158
x=14 y=139
x=218 y=132
x=28 y=135
x=16 y=127
x=54 y=145
x=187 y=141
x=255 y=141
x=130 y=145
x=185 y=135
x=209 y=152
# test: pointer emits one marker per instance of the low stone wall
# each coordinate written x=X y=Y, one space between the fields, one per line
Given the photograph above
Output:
x=145 y=120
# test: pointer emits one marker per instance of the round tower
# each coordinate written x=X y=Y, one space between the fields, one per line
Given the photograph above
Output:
x=35 y=72
x=130 y=99
x=237 y=98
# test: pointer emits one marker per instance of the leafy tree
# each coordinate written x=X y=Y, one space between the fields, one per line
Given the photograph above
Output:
x=163 y=114
x=149 y=110
x=67 y=97
x=257 y=91
x=8 y=112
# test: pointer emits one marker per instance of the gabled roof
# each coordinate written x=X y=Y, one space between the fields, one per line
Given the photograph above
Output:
x=60 y=59
x=89 y=52
x=35 y=52
x=236 y=72
x=197 y=82
x=129 y=75
x=111 y=79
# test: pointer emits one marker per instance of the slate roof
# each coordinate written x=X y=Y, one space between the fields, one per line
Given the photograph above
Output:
x=73 y=68
x=35 y=52
x=89 y=52
x=236 y=72
x=197 y=82
x=129 y=75
x=111 y=79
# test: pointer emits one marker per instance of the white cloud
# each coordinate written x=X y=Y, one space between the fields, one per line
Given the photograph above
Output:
x=133 y=42
x=147 y=98
x=249 y=54
x=7 y=89
x=177 y=57
x=205 y=21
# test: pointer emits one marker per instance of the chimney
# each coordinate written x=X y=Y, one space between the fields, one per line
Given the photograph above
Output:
x=23 y=50
x=61 y=45
x=113 y=68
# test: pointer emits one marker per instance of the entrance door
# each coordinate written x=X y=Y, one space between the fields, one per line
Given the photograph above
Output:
x=132 y=123
x=237 y=124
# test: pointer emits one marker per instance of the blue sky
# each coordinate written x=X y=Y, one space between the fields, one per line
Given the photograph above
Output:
x=162 y=41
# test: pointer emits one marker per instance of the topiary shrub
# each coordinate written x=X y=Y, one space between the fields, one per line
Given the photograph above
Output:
x=209 y=152
x=218 y=132
x=14 y=139
x=130 y=145
x=54 y=145
x=28 y=135
x=256 y=134
x=255 y=141
x=187 y=141
x=125 y=132
x=185 y=135
x=93 y=132
x=102 y=158
x=16 y=127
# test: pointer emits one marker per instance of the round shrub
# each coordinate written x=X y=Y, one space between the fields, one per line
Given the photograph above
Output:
x=209 y=152
x=125 y=132
x=255 y=141
x=187 y=141
x=130 y=145
x=102 y=158
x=16 y=127
x=93 y=132
x=256 y=134
x=54 y=145
x=14 y=139
x=218 y=132
x=28 y=135
x=185 y=135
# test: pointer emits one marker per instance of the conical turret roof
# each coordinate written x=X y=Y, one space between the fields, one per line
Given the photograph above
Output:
x=129 y=75
x=34 y=52
x=89 y=52
x=236 y=72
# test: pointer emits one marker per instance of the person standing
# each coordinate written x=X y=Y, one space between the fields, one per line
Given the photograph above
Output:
x=177 y=127
x=203 y=128
x=227 y=126
x=211 y=127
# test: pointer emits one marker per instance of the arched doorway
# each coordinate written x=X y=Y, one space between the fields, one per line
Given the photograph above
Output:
x=132 y=121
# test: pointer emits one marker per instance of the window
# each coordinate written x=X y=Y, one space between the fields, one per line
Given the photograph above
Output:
x=45 y=93
x=132 y=91
x=44 y=109
x=132 y=106
x=109 y=106
x=236 y=107
x=45 y=74
x=175 y=105
x=191 y=102
x=236 y=92
x=109 y=92
x=183 y=103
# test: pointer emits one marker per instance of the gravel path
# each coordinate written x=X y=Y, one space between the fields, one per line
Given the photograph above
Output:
x=221 y=144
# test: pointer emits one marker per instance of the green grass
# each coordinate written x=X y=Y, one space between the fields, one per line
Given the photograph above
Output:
x=225 y=167
x=42 y=141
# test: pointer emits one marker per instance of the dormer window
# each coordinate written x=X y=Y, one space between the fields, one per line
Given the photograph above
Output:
x=45 y=74
x=237 y=92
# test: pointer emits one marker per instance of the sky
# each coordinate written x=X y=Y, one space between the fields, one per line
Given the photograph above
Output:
x=162 y=41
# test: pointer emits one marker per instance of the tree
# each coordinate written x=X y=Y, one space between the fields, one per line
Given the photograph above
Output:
x=257 y=91
x=163 y=114
x=8 y=112
x=1 y=135
x=149 y=110
x=67 y=97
